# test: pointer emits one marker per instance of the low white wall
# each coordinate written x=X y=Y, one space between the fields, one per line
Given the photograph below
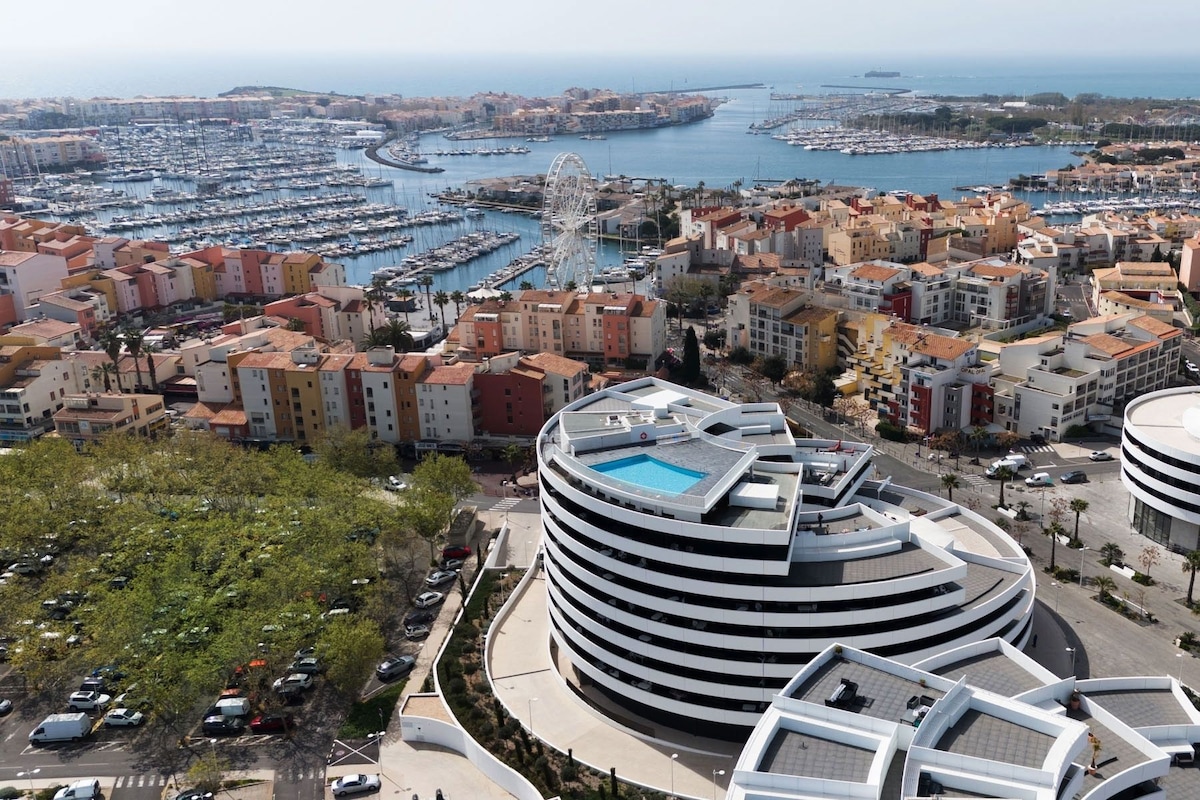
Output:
x=435 y=731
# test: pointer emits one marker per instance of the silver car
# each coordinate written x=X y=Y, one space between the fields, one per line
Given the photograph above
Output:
x=354 y=784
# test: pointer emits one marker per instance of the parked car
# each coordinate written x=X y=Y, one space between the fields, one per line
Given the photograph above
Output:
x=307 y=666
x=395 y=667
x=429 y=599
x=272 y=723
x=440 y=577
x=223 y=725
x=1037 y=438
x=1074 y=476
x=5 y=706
x=354 y=784
x=87 y=701
x=416 y=632
x=194 y=794
x=1039 y=479
x=394 y=484
x=454 y=564
x=79 y=790
x=123 y=718
x=419 y=617
x=295 y=682
x=93 y=685
x=456 y=551
x=1100 y=455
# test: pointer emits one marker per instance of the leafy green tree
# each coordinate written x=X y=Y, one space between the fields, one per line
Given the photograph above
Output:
x=351 y=450
x=773 y=368
x=448 y=474
x=350 y=648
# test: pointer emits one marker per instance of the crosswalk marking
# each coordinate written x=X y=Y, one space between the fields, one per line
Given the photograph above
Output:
x=975 y=480
x=506 y=504
x=1036 y=448
x=139 y=781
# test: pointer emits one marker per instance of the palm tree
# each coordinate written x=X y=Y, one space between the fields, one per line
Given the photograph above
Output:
x=151 y=369
x=113 y=343
x=441 y=300
x=394 y=334
x=1078 y=505
x=526 y=286
x=1191 y=562
x=1104 y=584
x=1022 y=509
x=110 y=372
x=977 y=435
x=133 y=344
x=704 y=291
x=458 y=298
x=405 y=295
x=1055 y=530
x=505 y=297
x=950 y=482
x=1111 y=553
x=1005 y=474
x=426 y=282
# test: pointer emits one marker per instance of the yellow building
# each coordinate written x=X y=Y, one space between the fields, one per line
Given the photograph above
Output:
x=295 y=269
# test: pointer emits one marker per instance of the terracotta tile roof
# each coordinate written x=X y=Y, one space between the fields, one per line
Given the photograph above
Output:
x=266 y=361
x=456 y=375
x=775 y=296
x=927 y=269
x=934 y=345
x=203 y=411
x=646 y=309
x=10 y=258
x=46 y=328
x=1155 y=327
x=559 y=365
x=1121 y=298
x=543 y=296
x=1107 y=343
x=811 y=314
x=993 y=271
x=874 y=272
x=232 y=414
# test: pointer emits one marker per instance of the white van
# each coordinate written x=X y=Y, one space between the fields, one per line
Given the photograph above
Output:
x=1013 y=462
x=1039 y=479
x=62 y=728
x=234 y=706
x=79 y=790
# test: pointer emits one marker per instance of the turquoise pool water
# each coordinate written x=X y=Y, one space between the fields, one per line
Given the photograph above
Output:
x=650 y=473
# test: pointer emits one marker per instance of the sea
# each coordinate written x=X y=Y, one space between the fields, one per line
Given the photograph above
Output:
x=717 y=151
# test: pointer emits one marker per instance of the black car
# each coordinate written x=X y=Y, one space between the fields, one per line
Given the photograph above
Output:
x=1037 y=438
x=1074 y=476
x=421 y=616
x=223 y=725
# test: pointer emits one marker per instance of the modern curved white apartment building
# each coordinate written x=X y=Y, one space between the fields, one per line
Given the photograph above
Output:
x=697 y=555
x=1160 y=466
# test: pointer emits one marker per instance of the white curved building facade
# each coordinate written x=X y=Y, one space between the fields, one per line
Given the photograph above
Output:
x=697 y=555
x=1160 y=466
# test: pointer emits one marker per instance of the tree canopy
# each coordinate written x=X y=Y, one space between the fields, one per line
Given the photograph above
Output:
x=178 y=560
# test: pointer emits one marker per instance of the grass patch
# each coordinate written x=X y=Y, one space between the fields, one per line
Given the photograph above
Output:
x=366 y=715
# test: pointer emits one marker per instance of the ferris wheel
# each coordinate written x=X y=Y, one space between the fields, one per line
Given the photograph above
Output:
x=569 y=223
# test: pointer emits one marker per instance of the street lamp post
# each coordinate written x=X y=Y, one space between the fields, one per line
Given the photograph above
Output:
x=532 y=700
x=29 y=774
x=1180 y=657
x=1071 y=650
x=674 y=758
x=716 y=773
x=1082 y=550
x=1057 y=593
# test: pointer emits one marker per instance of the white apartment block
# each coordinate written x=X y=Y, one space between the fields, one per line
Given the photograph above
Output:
x=28 y=276
x=446 y=403
x=1048 y=384
x=378 y=378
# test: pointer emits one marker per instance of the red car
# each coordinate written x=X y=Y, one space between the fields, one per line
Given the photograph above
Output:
x=456 y=552
x=272 y=723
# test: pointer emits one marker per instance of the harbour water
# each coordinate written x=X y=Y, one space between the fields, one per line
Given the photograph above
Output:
x=717 y=151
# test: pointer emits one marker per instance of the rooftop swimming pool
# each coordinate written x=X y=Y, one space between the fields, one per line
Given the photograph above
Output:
x=650 y=473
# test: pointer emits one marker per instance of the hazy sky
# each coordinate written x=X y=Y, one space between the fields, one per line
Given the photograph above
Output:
x=867 y=31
